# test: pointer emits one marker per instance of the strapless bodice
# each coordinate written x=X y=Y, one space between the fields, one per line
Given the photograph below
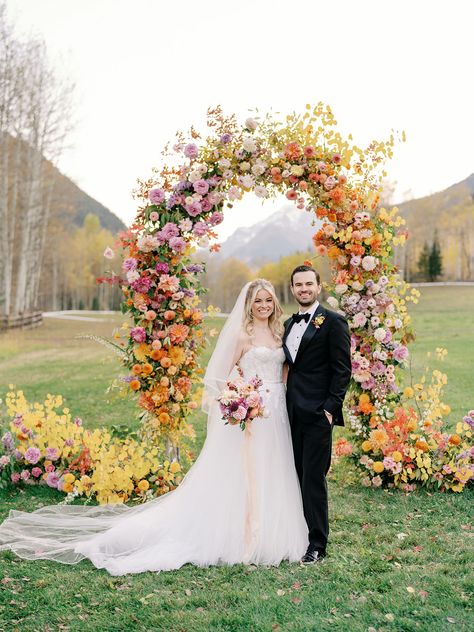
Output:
x=264 y=362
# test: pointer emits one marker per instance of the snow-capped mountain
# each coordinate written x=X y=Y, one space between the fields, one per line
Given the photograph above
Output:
x=286 y=231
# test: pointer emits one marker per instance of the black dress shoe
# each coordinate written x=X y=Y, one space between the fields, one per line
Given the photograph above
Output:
x=313 y=555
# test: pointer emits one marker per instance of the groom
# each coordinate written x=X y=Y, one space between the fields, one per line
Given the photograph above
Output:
x=317 y=347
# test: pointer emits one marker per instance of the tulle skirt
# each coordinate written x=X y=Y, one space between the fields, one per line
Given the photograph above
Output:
x=239 y=503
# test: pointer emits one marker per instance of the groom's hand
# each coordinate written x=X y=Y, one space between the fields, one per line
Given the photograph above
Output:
x=329 y=416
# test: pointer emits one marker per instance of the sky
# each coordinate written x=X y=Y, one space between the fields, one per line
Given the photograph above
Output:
x=144 y=69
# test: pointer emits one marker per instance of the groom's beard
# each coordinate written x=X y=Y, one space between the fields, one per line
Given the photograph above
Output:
x=306 y=302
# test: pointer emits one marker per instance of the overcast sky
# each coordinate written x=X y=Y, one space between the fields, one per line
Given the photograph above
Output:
x=146 y=68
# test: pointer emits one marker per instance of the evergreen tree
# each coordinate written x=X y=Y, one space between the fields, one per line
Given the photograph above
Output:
x=424 y=262
x=435 y=261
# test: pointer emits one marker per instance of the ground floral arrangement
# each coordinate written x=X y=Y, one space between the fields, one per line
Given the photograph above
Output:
x=398 y=438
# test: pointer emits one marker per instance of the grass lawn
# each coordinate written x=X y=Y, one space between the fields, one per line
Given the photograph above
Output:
x=395 y=562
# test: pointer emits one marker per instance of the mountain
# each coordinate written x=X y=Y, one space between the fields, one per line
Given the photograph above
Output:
x=286 y=231
x=74 y=204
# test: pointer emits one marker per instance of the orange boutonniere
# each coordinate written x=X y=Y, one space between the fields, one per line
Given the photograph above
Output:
x=318 y=321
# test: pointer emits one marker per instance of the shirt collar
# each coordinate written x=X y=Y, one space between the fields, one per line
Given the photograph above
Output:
x=311 y=309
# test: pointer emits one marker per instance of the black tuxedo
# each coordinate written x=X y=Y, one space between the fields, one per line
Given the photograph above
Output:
x=317 y=381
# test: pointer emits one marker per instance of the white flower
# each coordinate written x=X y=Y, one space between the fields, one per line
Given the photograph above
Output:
x=251 y=124
x=132 y=275
x=228 y=174
x=203 y=242
x=246 y=181
x=109 y=253
x=375 y=321
x=147 y=243
x=234 y=193
x=333 y=302
x=258 y=169
x=357 y=286
x=341 y=288
x=397 y=323
x=224 y=163
x=369 y=263
x=379 y=334
x=185 y=225
x=244 y=166
x=261 y=191
x=194 y=176
x=249 y=145
x=297 y=170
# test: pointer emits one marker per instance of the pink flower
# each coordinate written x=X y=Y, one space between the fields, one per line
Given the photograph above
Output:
x=49 y=468
x=52 y=454
x=32 y=455
x=109 y=253
x=292 y=194
x=216 y=218
x=400 y=353
x=25 y=475
x=52 y=480
x=206 y=205
x=138 y=334
x=15 y=477
x=129 y=264
x=154 y=216
x=336 y=158
x=150 y=315
x=194 y=209
x=156 y=196
x=240 y=413
x=329 y=183
x=170 y=230
x=177 y=244
x=201 y=187
x=191 y=150
x=36 y=471
x=359 y=320
x=200 y=229
x=253 y=399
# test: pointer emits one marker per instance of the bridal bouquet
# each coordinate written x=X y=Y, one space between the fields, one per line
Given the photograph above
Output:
x=241 y=402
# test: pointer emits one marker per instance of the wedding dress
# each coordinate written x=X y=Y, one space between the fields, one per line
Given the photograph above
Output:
x=239 y=503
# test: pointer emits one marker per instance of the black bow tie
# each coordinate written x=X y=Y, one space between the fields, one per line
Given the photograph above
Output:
x=297 y=318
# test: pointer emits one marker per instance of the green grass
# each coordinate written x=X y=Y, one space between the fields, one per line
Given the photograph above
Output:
x=371 y=579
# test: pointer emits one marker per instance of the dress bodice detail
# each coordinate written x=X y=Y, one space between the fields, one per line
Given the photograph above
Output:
x=264 y=362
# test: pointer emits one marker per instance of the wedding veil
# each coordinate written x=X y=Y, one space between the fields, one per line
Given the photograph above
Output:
x=221 y=363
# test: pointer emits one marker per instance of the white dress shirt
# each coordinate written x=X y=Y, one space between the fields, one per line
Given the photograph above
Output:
x=297 y=331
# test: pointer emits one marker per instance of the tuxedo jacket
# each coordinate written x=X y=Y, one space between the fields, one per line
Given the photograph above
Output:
x=319 y=376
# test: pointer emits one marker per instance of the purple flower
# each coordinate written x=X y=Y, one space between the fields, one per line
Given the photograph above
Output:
x=8 y=441
x=191 y=150
x=201 y=187
x=52 y=479
x=156 y=196
x=194 y=268
x=200 y=229
x=216 y=218
x=184 y=185
x=469 y=421
x=226 y=138
x=187 y=292
x=170 y=230
x=142 y=285
x=177 y=244
x=32 y=455
x=138 y=334
x=52 y=454
x=378 y=368
x=162 y=268
x=69 y=442
x=129 y=264
x=78 y=421
x=172 y=200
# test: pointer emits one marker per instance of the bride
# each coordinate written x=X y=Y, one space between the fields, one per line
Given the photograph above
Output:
x=239 y=503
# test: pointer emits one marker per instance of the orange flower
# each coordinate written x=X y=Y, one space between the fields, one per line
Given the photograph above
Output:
x=277 y=178
x=454 y=439
x=147 y=369
x=421 y=445
x=169 y=314
x=337 y=195
x=157 y=354
x=178 y=333
x=164 y=418
x=333 y=252
x=137 y=369
x=165 y=362
x=135 y=385
x=378 y=438
x=177 y=355
x=292 y=151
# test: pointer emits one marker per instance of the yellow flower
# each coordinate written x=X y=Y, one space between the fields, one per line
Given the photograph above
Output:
x=408 y=392
x=69 y=478
x=366 y=446
x=397 y=456
x=143 y=485
x=175 y=467
x=378 y=467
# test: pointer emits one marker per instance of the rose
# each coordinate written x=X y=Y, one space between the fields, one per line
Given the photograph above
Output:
x=36 y=471
x=240 y=413
x=369 y=263
x=156 y=196
x=15 y=477
x=253 y=399
x=154 y=216
x=249 y=145
x=246 y=181
x=32 y=455
x=177 y=244
x=216 y=218
x=261 y=191
x=52 y=479
x=185 y=226
x=201 y=187
x=191 y=151
x=251 y=124
x=194 y=209
x=200 y=229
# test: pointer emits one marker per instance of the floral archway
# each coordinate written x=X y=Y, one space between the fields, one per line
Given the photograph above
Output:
x=398 y=434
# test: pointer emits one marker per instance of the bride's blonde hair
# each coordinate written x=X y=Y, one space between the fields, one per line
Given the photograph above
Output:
x=274 y=320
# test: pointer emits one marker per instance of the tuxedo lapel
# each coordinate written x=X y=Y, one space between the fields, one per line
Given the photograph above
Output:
x=288 y=326
x=310 y=331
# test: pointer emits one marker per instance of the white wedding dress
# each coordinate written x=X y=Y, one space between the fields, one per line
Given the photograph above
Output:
x=239 y=503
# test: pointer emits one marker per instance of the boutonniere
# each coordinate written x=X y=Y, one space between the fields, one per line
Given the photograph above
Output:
x=318 y=321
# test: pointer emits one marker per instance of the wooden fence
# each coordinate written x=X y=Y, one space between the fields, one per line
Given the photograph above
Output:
x=21 y=321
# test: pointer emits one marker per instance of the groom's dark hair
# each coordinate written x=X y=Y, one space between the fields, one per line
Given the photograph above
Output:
x=306 y=269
